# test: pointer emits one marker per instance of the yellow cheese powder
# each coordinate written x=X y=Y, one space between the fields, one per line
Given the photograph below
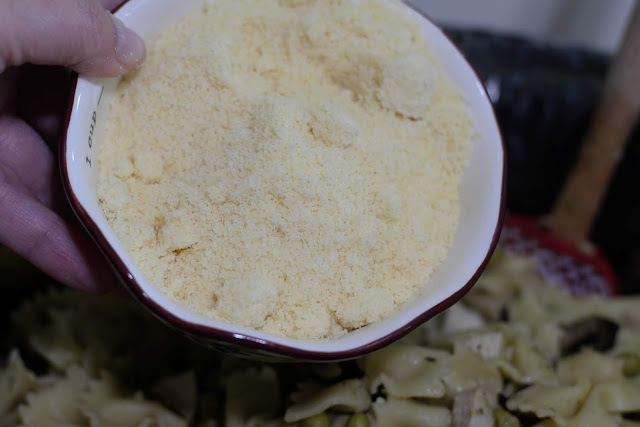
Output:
x=288 y=165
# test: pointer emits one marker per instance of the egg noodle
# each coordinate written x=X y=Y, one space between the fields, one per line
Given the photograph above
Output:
x=515 y=348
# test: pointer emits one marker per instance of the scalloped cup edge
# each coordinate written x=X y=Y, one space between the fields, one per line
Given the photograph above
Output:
x=481 y=216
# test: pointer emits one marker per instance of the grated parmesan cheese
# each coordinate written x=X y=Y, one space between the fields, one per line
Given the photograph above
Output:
x=288 y=165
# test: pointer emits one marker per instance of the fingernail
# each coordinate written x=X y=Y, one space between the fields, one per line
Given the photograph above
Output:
x=130 y=50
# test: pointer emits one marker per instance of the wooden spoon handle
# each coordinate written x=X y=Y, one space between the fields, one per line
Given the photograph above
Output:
x=603 y=147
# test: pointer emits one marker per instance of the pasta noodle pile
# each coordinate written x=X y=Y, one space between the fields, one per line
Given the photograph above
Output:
x=515 y=351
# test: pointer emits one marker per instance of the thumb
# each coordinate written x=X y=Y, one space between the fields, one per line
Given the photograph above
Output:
x=79 y=34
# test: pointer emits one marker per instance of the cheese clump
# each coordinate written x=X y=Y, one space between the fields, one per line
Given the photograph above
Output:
x=291 y=166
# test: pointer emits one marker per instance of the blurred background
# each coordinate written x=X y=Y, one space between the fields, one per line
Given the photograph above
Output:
x=591 y=24
x=543 y=63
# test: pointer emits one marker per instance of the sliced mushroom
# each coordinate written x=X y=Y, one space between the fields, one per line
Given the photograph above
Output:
x=595 y=332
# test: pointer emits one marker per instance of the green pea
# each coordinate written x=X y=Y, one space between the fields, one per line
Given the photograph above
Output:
x=504 y=418
x=358 y=420
x=320 y=420
x=631 y=366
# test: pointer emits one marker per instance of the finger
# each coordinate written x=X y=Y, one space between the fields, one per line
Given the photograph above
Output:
x=111 y=4
x=23 y=151
x=12 y=179
x=36 y=233
x=79 y=34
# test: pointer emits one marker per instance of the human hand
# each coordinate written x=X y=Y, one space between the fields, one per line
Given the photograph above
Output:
x=35 y=219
